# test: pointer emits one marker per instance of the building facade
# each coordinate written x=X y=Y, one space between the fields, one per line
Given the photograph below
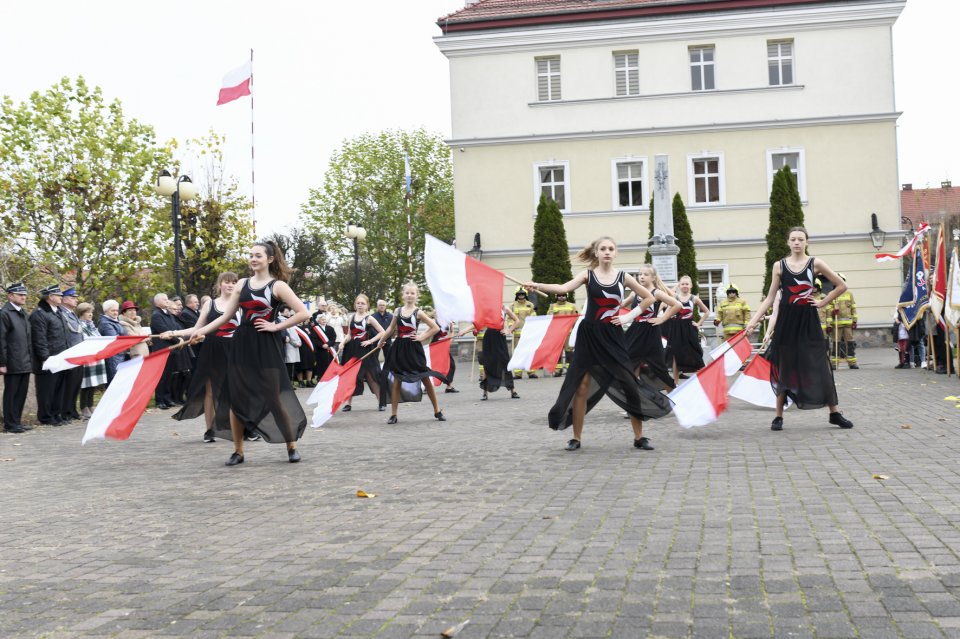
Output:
x=573 y=99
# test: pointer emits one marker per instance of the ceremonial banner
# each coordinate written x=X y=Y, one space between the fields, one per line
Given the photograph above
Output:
x=734 y=352
x=914 y=299
x=951 y=307
x=334 y=389
x=699 y=400
x=126 y=397
x=464 y=289
x=90 y=350
x=541 y=342
x=939 y=288
x=236 y=83
x=889 y=257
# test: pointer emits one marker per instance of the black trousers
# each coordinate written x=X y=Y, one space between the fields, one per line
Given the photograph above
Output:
x=50 y=388
x=72 y=380
x=14 y=397
x=164 y=392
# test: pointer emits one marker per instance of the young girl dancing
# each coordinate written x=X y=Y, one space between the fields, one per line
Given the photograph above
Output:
x=494 y=356
x=644 y=337
x=684 y=352
x=361 y=333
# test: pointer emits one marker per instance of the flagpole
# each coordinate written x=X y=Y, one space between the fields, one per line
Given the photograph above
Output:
x=253 y=189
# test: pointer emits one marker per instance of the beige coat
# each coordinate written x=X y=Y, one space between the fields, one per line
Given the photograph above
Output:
x=133 y=327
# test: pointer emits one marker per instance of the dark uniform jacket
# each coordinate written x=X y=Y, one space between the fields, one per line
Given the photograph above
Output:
x=188 y=317
x=74 y=331
x=49 y=332
x=161 y=322
x=15 y=347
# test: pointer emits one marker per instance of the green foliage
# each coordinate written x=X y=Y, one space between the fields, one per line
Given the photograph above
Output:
x=687 y=258
x=76 y=193
x=365 y=185
x=647 y=258
x=313 y=271
x=551 y=253
x=785 y=213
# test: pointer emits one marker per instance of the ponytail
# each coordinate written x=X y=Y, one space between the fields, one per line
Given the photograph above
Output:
x=278 y=267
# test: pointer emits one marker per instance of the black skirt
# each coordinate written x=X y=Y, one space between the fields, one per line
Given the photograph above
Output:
x=407 y=362
x=369 y=366
x=211 y=370
x=601 y=351
x=645 y=347
x=799 y=365
x=683 y=345
x=494 y=359
x=307 y=358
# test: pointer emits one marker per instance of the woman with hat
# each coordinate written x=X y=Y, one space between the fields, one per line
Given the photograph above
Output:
x=132 y=324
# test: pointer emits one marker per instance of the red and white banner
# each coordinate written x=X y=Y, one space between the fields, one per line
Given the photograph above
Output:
x=906 y=250
x=304 y=337
x=753 y=385
x=938 y=290
x=541 y=342
x=734 y=352
x=127 y=396
x=323 y=336
x=335 y=387
x=951 y=307
x=438 y=358
x=699 y=400
x=464 y=289
x=90 y=350
x=236 y=83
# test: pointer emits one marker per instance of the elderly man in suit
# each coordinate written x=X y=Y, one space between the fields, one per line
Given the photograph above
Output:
x=163 y=321
x=49 y=331
x=16 y=357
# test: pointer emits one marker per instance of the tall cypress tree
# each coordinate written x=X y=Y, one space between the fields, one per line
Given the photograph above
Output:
x=785 y=213
x=647 y=258
x=687 y=259
x=551 y=253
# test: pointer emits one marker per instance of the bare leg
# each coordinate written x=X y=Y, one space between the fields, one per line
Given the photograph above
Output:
x=236 y=429
x=637 y=425
x=374 y=385
x=395 y=396
x=834 y=409
x=208 y=406
x=579 y=407
x=432 y=394
x=676 y=374
x=781 y=401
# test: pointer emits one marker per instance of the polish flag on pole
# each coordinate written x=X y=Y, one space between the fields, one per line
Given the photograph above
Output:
x=906 y=250
x=304 y=337
x=699 y=400
x=127 y=396
x=464 y=289
x=236 y=83
x=938 y=292
x=753 y=385
x=335 y=387
x=438 y=358
x=90 y=350
x=541 y=342
x=734 y=352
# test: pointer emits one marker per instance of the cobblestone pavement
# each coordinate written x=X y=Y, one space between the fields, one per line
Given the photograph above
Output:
x=726 y=531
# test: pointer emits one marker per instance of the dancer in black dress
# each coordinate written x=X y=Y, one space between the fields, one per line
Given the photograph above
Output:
x=494 y=355
x=406 y=360
x=359 y=336
x=799 y=367
x=601 y=365
x=684 y=352
x=258 y=391
x=204 y=395
x=645 y=337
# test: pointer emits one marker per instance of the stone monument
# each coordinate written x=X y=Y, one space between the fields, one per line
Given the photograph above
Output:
x=662 y=246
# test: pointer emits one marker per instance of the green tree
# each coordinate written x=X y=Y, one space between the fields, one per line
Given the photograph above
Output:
x=364 y=184
x=785 y=213
x=687 y=258
x=76 y=191
x=551 y=253
x=647 y=258
x=313 y=268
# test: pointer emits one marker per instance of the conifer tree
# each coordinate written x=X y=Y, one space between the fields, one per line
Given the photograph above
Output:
x=785 y=213
x=551 y=253
x=687 y=258
x=647 y=258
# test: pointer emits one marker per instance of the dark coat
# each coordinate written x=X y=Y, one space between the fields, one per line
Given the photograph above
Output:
x=49 y=332
x=161 y=322
x=188 y=317
x=74 y=330
x=16 y=351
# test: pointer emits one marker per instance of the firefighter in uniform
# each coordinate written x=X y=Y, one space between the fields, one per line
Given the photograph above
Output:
x=523 y=309
x=733 y=313
x=563 y=307
x=825 y=317
x=845 y=316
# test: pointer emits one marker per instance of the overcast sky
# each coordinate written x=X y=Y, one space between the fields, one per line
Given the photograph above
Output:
x=327 y=71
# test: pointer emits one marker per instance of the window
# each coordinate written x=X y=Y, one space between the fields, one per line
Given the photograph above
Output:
x=706 y=179
x=626 y=67
x=780 y=62
x=552 y=179
x=629 y=183
x=701 y=68
x=548 y=79
x=711 y=279
x=794 y=158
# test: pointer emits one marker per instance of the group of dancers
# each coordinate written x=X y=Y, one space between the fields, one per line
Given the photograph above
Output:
x=241 y=384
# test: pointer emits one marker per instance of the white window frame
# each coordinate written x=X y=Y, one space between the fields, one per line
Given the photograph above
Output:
x=724 y=280
x=554 y=80
x=537 y=186
x=721 y=178
x=801 y=171
x=644 y=186
x=780 y=59
x=627 y=71
x=701 y=65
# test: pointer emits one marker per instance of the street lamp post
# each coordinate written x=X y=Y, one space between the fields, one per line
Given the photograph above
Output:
x=178 y=190
x=356 y=232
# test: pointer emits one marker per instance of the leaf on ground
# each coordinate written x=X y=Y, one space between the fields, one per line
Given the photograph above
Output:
x=879 y=476
x=906 y=426
x=3 y=459
x=951 y=398
x=176 y=434
x=365 y=495
x=453 y=630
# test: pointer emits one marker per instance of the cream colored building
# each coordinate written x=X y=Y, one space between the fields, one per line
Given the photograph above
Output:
x=575 y=102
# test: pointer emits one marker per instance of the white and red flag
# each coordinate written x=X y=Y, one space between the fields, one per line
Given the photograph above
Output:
x=938 y=291
x=734 y=352
x=907 y=249
x=335 y=387
x=90 y=350
x=127 y=396
x=304 y=337
x=236 y=83
x=464 y=289
x=753 y=385
x=699 y=400
x=541 y=342
x=951 y=307
x=438 y=358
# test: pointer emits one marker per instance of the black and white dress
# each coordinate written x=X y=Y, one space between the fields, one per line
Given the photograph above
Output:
x=645 y=346
x=799 y=365
x=360 y=332
x=406 y=359
x=683 y=339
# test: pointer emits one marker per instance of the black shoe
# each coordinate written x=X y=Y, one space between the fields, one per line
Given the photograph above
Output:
x=18 y=429
x=293 y=456
x=235 y=459
x=777 y=423
x=573 y=444
x=854 y=367
x=439 y=416
x=516 y=376
x=176 y=402
x=514 y=395
x=642 y=443
x=24 y=427
x=208 y=437
x=941 y=370
x=392 y=420
x=838 y=419
x=347 y=408
x=382 y=407
x=164 y=406
x=532 y=376
x=484 y=397
x=685 y=376
x=451 y=389
x=558 y=373
x=252 y=437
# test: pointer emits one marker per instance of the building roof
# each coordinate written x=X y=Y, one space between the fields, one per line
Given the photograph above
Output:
x=501 y=14
x=929 y=205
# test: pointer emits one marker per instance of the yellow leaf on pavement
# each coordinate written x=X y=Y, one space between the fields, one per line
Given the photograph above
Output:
x=951 y=398
x=360 y=493
x=878 y=476
x=906 y=426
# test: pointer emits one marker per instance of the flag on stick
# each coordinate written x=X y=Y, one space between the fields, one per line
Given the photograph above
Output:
x=701 y=399
x=90 y=350
x=236 y=83
x=126 y=397
x=464 y=289
x=914 y=299
x=541 y=342
x=335 y=387
x=889 y=257
x=734 y=352
x=951 y=307
x=438 y=358
x=939 y=288
x=753 y=385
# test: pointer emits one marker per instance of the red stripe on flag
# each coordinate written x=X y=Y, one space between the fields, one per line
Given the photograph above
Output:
x=147 y=378
x=548 y=353
x=486 y=286
x=229 y=94
x=440 y=359
x=713 y=380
